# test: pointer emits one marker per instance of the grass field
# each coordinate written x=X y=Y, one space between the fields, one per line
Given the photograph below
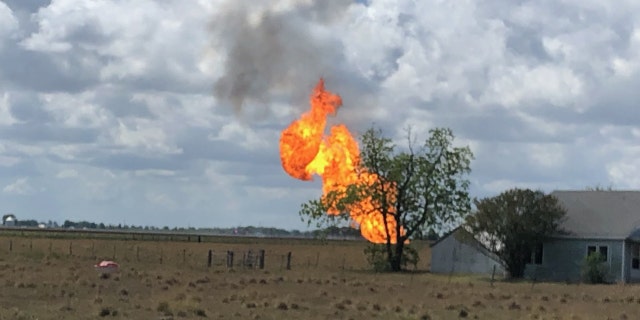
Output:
x=54 y=279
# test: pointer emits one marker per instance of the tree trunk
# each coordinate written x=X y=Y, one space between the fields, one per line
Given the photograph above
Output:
x=396 y=261
x=389 y=254
x=515 y=262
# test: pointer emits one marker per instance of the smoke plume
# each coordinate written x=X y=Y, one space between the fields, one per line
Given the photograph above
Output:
x=275 y=50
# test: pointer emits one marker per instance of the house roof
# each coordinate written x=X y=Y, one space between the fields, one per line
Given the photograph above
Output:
x=601 y=214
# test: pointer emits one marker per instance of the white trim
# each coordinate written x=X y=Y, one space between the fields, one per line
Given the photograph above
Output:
x=598 y=246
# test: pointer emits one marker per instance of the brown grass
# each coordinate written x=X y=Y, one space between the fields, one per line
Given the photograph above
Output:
x=41 y=283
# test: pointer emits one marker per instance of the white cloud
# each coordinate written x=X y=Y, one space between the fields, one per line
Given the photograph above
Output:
x=516 y=86
x=19 y=187
x=159 y=199
x=67 y=173
x=144 y=135
x=244 y=136
x=8 y=23
x=154 y=172
x=5 y=115
x=75 y=110
x=625 y=174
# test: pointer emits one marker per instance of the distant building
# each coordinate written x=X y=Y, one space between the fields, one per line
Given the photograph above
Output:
x=606 y=222
x=9 y=220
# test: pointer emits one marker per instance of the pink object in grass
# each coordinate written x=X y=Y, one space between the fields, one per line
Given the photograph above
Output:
x=107 y=266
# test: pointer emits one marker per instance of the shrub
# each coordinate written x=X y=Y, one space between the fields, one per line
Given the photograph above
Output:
x=594 y=269
x=164 y=308
x=104 y=312
x=378 y=260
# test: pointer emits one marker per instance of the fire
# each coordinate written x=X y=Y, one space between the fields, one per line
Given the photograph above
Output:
x=305 y=151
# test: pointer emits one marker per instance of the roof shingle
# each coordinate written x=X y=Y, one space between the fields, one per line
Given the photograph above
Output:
x=600 y=214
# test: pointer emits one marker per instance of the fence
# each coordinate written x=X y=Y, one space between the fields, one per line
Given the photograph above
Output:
x=212 y=256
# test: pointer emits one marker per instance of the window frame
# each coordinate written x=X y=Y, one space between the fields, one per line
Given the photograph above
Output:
x=635 y=257
x=533 y=254
x=598 y=248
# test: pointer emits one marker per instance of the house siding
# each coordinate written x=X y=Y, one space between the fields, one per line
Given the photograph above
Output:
x=563 y=259
x=452 y=255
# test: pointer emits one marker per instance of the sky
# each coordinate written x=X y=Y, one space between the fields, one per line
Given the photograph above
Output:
x=169 y=112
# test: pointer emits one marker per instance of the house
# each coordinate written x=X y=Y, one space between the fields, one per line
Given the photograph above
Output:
x=459 y=252
x=607 y=222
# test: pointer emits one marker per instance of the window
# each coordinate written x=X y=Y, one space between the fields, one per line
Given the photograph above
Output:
x=635 y=257
x=535 y=256
x=603 y=250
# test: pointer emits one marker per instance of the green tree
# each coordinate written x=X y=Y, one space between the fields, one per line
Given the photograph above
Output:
x=429 y=186
x=514 y=223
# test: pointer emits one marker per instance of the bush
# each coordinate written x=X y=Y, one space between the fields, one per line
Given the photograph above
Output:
x=378 y=260
x=594 y=269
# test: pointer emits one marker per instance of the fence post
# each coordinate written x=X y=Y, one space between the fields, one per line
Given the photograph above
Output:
x=250 y=259
x=161 y=255
x=317 y=259
x=184 y=255
x=71 y=248
x=493 y=273
x=289 y=260
x=30 y=245
x=209 y=258
x=229 y=259
x=261 y=259
x=10 y=245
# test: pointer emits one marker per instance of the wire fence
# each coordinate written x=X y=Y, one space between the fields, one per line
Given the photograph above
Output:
x=214 y=256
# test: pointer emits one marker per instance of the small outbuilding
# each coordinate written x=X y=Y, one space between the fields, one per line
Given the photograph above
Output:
x=460 y=252
x=9 y=220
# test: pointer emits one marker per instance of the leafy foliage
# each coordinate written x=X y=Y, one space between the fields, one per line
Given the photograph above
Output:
x=419 y=188
x=514 y=222
x=377 y=257
x=594 y=269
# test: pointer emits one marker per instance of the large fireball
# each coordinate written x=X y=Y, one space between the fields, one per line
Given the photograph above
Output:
x=305 y=150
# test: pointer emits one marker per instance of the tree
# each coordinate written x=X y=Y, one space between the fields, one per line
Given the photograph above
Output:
x=598 y=187
x=514 y=223
x=415 y=189
x=27 y=223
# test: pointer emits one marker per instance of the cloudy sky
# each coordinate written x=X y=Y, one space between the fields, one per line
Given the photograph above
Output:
x=168 y=112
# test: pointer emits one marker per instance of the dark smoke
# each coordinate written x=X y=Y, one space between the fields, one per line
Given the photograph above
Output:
x=280 y=57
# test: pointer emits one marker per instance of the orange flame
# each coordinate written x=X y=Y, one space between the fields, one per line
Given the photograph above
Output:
x=305 y=151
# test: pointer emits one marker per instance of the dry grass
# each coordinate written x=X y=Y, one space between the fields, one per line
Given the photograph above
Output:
x=41 y=284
